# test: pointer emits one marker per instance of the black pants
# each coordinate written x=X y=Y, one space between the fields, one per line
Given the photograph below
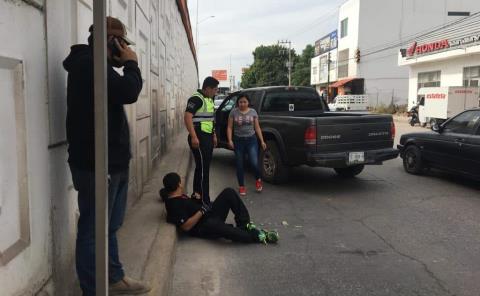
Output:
x=213 y=225
x=203 y=157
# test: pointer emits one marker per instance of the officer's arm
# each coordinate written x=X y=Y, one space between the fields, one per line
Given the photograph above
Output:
x=193 y=104
x=188 y=119
x=191 y=222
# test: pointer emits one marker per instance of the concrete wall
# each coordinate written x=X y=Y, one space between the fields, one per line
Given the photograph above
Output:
x=25 y=229
x=38 y=208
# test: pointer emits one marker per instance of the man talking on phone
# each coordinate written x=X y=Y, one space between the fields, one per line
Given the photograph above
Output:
x=122 y=89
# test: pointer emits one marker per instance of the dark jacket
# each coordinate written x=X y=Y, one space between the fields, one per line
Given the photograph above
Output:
x=80 y=110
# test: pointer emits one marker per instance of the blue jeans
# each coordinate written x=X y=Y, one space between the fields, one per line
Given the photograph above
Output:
x=84 y=183
x=242 y=146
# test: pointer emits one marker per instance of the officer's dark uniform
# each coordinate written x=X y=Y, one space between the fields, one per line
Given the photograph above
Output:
x=202 y=108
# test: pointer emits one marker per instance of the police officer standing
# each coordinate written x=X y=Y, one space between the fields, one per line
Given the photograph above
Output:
x=199 y=121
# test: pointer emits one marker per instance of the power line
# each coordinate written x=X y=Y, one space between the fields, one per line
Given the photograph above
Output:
x=312 y=26
x=320 y=20
x=451 y=30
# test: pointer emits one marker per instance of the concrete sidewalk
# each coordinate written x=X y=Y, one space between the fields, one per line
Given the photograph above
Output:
x=147 y=242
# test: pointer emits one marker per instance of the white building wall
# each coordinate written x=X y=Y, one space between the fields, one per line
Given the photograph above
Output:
x=385 y=82
x=451 y=73
x=315 y=70
x=375 y=24
x=38 y=212
x=350 y=10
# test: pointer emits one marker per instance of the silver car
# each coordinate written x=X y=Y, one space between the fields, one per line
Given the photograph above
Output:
x=218 y=101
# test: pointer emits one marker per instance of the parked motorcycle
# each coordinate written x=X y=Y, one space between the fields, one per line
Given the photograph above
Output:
x=413 y=114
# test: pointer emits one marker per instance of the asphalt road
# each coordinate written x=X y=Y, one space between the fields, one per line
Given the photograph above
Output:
x=382 y=233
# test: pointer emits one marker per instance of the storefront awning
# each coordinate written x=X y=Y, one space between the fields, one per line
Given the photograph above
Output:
x=342 y=82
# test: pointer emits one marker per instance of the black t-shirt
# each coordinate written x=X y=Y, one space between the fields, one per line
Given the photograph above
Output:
x=193 y=104
x=180 y=209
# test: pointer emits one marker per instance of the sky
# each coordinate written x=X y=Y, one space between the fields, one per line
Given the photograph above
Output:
x=227 y=40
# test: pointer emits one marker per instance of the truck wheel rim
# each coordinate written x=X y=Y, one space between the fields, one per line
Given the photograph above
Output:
x=268 y=163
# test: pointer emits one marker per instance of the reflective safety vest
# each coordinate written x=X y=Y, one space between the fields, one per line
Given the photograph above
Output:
x=205 y=115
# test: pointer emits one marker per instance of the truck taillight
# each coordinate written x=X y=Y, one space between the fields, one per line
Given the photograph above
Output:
x=392 y=130
x=311 y=135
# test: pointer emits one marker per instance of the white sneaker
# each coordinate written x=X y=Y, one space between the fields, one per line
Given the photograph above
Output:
x=128 y=286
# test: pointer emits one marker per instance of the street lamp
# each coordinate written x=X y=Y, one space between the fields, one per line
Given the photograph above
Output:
x=196 y=27
x=197 y=45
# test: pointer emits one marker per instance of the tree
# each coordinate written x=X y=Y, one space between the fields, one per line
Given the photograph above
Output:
x=301 y=70
x=269 y=67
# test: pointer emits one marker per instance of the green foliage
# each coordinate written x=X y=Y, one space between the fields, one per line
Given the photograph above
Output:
x=269 y=67
x=301 y=71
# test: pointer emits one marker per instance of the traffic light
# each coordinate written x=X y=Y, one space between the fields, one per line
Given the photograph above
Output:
x=357 y=55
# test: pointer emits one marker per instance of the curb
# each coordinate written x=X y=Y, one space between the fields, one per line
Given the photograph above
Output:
x=161 y=263
x=147 y=242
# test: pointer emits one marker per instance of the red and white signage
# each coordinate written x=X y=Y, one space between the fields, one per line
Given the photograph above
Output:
x=436 y=96
x=439 y=45
x=464 y=91
x=427 y=47
x=220 y=75
x=444 y=102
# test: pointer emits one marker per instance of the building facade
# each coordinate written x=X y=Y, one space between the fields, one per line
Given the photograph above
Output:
x=324 y=63
x=38 y=207
x=370 y=33
x=448 y=57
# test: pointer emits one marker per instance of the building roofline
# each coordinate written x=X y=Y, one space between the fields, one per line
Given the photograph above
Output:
x=183 y=9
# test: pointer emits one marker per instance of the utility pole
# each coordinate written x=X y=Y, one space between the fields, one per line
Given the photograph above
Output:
x=393 y=93
x=289 y=59
x=101 y=147
x=328 y=77
x=230 y=71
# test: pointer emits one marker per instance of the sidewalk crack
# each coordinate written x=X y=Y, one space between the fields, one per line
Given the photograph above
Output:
x=438 y=281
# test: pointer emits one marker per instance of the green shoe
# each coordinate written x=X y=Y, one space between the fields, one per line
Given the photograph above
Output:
x=250 y=226
x=272 y=236
x=262 y=237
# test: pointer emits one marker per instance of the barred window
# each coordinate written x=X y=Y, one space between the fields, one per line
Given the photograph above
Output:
x=471 y=76
x=429 y=79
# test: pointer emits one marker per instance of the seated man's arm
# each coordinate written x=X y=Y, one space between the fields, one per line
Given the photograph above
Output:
x=191 y=222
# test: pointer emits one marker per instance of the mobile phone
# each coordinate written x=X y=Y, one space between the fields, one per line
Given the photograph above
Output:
x=113 y=47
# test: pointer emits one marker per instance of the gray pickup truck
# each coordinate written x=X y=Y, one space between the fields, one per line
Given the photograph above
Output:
x=300 y=130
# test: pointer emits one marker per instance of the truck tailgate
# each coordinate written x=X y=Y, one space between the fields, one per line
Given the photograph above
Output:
x=353 y=133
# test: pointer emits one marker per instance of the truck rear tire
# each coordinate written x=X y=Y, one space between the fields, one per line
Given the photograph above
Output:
x=350 y=172
x=272 y=167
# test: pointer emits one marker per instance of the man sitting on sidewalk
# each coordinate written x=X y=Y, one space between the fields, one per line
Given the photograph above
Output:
x=208 y=221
